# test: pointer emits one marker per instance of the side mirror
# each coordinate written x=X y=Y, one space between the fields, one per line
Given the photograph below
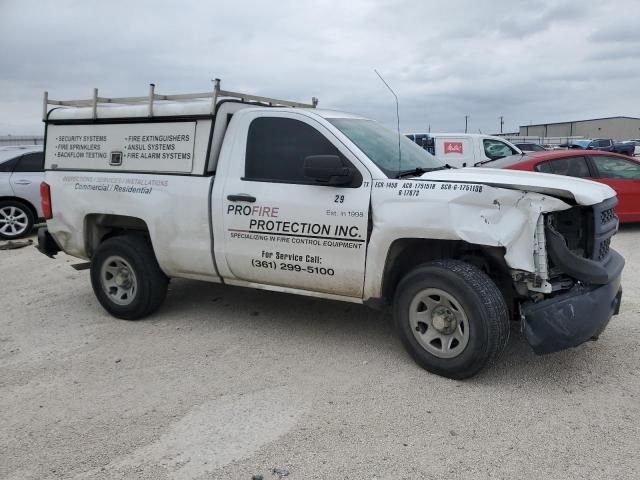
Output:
x=327 y=170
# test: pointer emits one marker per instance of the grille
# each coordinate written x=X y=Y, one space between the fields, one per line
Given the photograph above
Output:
x=607 y=215
x=603 y=251
x=604 y=229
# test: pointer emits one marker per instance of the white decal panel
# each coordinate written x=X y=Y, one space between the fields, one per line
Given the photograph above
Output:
x=155 y=147
x=300 y=236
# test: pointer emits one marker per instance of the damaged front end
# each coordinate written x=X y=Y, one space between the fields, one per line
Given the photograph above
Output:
x=576 y=289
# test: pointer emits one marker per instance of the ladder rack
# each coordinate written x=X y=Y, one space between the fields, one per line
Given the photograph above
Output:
x=152 y=97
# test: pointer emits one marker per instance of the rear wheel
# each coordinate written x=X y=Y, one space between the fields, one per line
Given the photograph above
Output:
x=16 y=219
x=126 y=277
x=451 y=317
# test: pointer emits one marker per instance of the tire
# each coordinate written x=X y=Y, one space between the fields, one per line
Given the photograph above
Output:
x=126 y=278
x=16 y=219
x=451 y=318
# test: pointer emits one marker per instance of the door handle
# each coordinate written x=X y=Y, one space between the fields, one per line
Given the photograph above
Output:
x=241 y=197
x=23 y=182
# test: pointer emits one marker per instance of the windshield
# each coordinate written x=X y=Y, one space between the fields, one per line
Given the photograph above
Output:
x=381 y=146
x=582 y=143
x=531 y=147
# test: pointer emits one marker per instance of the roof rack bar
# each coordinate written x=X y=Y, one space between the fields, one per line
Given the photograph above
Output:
x=182 y=96
x=152 y=88
x=123 y=100
x=271 y=101
x=214 y=95
x=95 y=104
x=71 y=103
x=45 y=105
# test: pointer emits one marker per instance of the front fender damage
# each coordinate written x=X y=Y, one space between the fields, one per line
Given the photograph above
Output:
x=488 y=216
x=509 y=222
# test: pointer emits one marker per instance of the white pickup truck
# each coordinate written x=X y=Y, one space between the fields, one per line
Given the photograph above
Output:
x=263 y=193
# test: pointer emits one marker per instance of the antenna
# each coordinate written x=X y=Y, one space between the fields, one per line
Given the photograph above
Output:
x=397 y=116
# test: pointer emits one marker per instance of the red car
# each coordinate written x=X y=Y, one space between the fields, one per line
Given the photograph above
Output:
x=620 y=172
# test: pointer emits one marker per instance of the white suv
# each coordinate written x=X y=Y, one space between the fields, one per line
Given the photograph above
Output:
x=21 y=172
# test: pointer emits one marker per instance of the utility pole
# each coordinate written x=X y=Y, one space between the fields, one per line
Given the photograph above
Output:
x=501 y=122
x=466 y=123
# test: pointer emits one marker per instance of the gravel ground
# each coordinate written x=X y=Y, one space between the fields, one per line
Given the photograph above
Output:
x=228 y=383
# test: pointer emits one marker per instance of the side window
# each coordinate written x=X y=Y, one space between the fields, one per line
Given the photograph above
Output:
x=8 y=166
x=495 y=149
x=277 y=147
x=614 y=167
x=31 y=162
x=572 y=167
x=544 y=167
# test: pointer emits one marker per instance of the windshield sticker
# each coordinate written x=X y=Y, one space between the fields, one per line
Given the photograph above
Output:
x=416 y=187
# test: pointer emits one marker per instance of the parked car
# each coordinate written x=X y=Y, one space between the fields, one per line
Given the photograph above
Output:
x=464 y=149
x=604 y=145
x=636 y=145
x=618 y=171
x=530 y=147
x=21 y=172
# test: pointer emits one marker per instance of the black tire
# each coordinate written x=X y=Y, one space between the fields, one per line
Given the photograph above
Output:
x=21 y=217
x=483 y=307
x=136 y=252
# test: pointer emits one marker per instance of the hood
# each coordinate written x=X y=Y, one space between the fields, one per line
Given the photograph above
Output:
x=582 y=192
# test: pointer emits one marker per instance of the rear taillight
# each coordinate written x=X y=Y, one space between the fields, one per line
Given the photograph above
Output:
x=45 y=200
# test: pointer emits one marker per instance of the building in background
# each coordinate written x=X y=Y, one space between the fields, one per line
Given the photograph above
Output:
x=618 y=128
x=21 y=140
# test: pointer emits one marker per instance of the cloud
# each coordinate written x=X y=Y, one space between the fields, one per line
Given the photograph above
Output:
x=537 y=61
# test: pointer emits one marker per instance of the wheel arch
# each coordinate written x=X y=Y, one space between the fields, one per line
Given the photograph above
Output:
x=405 y=254
x=98 y=227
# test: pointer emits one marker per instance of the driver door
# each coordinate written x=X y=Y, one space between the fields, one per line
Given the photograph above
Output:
x=282 y=228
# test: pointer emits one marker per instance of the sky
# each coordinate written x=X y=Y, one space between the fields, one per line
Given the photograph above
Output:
x=530 y=61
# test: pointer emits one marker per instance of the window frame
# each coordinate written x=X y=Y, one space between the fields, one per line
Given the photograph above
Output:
x=484 y=148
x=12 y=162
x=596 y=172
x=586 y=158
x=357 y=175
x=22 y=157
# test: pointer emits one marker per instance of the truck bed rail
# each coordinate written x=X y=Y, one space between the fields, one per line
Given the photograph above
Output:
x=214 y=95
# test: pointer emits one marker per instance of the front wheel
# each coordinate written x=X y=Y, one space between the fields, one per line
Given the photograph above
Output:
x=126 y=278
x=451 y=317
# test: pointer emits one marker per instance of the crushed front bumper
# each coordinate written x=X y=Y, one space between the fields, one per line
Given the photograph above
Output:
x=571 y=318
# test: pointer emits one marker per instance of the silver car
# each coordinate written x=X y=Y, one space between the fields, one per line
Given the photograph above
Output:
x=21 y=171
